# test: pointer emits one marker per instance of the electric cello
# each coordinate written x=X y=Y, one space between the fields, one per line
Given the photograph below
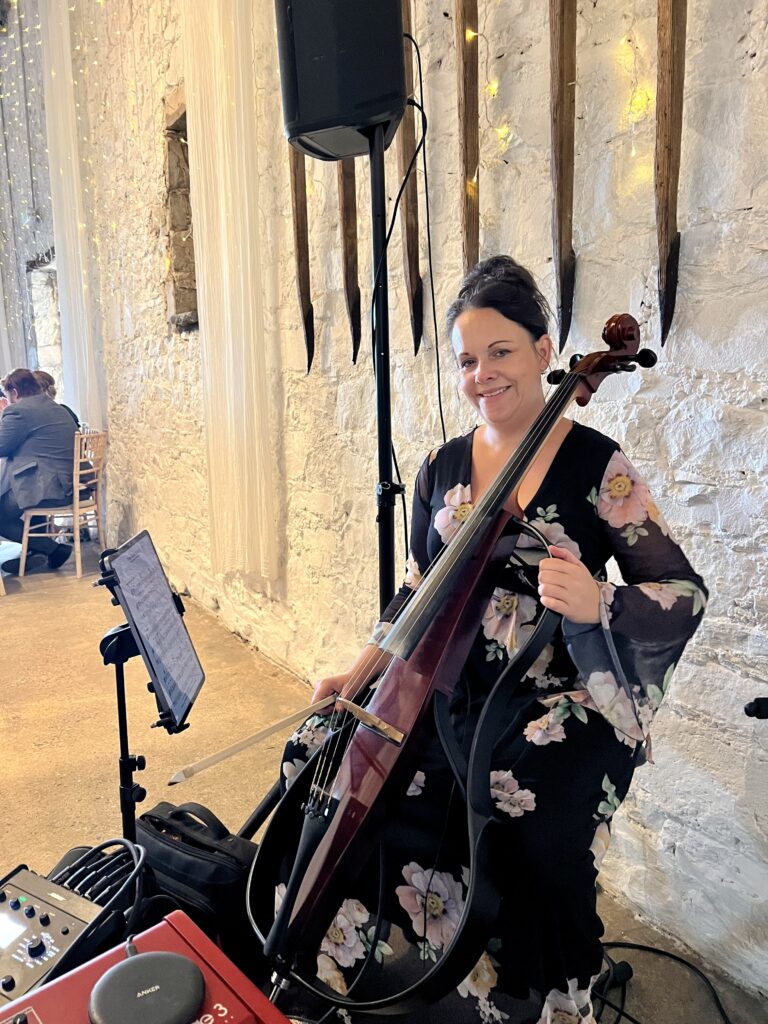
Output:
x=338 y=803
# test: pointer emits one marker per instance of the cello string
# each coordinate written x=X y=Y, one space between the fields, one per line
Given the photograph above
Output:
x=534 y=438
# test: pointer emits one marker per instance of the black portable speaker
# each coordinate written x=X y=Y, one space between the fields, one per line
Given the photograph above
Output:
x=342 y=72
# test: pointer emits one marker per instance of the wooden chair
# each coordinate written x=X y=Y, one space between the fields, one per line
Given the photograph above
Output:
x=90 y=452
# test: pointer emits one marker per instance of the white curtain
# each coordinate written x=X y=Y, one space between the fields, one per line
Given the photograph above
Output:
x=6 y=360
x=80 y=339
x=220 y=87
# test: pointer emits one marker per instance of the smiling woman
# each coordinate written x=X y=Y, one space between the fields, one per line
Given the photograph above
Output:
x=577 y=722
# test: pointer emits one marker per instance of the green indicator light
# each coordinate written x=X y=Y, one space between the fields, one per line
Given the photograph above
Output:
x=22 y=899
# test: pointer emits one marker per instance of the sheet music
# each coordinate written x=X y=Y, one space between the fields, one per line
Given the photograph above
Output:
x=168 y=652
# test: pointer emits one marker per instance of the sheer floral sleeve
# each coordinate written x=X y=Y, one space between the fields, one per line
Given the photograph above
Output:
x=625 y=663
x=418 y=558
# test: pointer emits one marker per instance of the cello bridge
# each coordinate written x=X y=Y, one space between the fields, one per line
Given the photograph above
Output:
x=389 y=732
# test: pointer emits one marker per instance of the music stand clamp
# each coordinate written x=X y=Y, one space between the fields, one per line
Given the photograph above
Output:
x=117 y=646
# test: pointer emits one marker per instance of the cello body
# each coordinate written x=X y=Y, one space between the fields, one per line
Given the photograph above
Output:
x=346 y=792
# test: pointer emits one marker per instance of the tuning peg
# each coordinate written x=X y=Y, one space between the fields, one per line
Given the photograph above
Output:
x=575 y=358
x=646 y=358
x=556 y=376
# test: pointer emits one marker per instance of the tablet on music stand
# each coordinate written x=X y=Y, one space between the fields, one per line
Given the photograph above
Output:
x=154 y=616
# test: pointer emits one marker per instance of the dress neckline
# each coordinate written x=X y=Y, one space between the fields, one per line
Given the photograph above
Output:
x=467 y=472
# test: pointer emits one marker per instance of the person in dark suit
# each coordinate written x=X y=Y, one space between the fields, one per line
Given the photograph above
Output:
x=37 y=438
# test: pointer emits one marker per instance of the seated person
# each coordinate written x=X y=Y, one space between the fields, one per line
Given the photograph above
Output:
x=48 y=384
x=37 y=438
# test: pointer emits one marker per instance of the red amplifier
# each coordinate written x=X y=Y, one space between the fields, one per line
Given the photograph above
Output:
x=230 y=998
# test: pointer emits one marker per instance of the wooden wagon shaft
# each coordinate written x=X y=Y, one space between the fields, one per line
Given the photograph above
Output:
x=669 y=128
x=409 y=206
x=469 y=129
x=562 y=38
x=348 y=220
x=301 y=245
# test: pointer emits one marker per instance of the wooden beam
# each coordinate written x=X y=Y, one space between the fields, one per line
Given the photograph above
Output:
x=672 y=16
x=409 y=205
x=301 y=246
x=348 y=220
x=562 y=40
x=469 y=129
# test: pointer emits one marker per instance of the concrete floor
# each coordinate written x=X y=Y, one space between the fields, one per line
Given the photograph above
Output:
x=59 y=749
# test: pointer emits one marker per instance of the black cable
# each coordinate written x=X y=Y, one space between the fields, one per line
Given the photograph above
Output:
x=371 y=953
x=679 y=960
x=138 y=856
x=605 y=987
x=398 y=197
x=429 y=242
x=620 y=1012
x=377 y=275
x=402 y=499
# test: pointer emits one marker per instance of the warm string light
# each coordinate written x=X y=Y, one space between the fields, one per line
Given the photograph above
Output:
x=638 y=108
x=25 y=203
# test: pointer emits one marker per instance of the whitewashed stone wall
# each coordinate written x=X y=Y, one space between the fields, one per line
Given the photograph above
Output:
x=691 y=847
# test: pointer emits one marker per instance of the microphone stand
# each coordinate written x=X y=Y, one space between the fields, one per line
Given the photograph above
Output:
x=387 y=490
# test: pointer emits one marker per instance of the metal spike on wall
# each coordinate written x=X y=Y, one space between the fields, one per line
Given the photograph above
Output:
x=345 y=170
x=671 y=26
x=409 y=206
x=301 y=245
x=469 y=129
x=562 y=37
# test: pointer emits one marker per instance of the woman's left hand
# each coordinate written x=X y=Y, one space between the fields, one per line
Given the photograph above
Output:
x=566 y=586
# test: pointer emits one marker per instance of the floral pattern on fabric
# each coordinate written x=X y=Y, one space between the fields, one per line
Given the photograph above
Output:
x=571 y=1007
x=508 y=621
x=342 y=940
x=458 y=505
x=554 y=534
x=573 y=731
x=433 y=900
x=312 y=733
x=508 y=797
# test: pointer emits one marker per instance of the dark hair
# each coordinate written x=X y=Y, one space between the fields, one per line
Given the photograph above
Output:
x=500 y=283
x=46 y=382
x=22 y=382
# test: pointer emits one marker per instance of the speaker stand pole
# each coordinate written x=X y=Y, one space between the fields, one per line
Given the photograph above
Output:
x=386 y=490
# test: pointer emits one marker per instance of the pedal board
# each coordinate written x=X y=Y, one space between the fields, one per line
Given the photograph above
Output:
x=39 y=922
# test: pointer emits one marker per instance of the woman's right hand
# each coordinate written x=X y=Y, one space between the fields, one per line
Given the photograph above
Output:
x=369 y=663
x=330 y=685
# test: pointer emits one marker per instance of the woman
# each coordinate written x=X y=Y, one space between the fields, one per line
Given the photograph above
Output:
x=575 y=733
x=48 y=385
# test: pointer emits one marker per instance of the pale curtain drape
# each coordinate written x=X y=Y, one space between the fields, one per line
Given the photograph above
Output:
x=79 y=327
x=6 y=362
x=220 y=89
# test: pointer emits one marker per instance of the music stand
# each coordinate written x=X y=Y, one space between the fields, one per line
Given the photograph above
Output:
x=156 y=631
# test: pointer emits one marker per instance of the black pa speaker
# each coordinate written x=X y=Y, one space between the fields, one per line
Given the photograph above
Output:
x=342 y=72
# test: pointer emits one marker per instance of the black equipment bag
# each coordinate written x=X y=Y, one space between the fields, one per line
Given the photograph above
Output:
x=203 y=868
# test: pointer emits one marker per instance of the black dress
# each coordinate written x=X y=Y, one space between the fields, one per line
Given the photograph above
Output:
x=566 y=758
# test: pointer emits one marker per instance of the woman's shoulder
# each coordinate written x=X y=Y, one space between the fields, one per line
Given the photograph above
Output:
x=592 y=443
x=451 y=451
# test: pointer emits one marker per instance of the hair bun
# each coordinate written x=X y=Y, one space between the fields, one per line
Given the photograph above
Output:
x=503 y=284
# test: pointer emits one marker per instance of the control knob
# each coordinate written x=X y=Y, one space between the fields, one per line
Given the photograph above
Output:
x=29 y=911
x=35 y=946
x=8 y=983
x=45 y=919
x=15 y=903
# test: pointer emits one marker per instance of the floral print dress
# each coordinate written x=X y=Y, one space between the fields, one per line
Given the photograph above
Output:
x=577 y=728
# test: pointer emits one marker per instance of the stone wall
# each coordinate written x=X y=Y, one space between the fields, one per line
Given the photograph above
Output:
x=691 y=847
